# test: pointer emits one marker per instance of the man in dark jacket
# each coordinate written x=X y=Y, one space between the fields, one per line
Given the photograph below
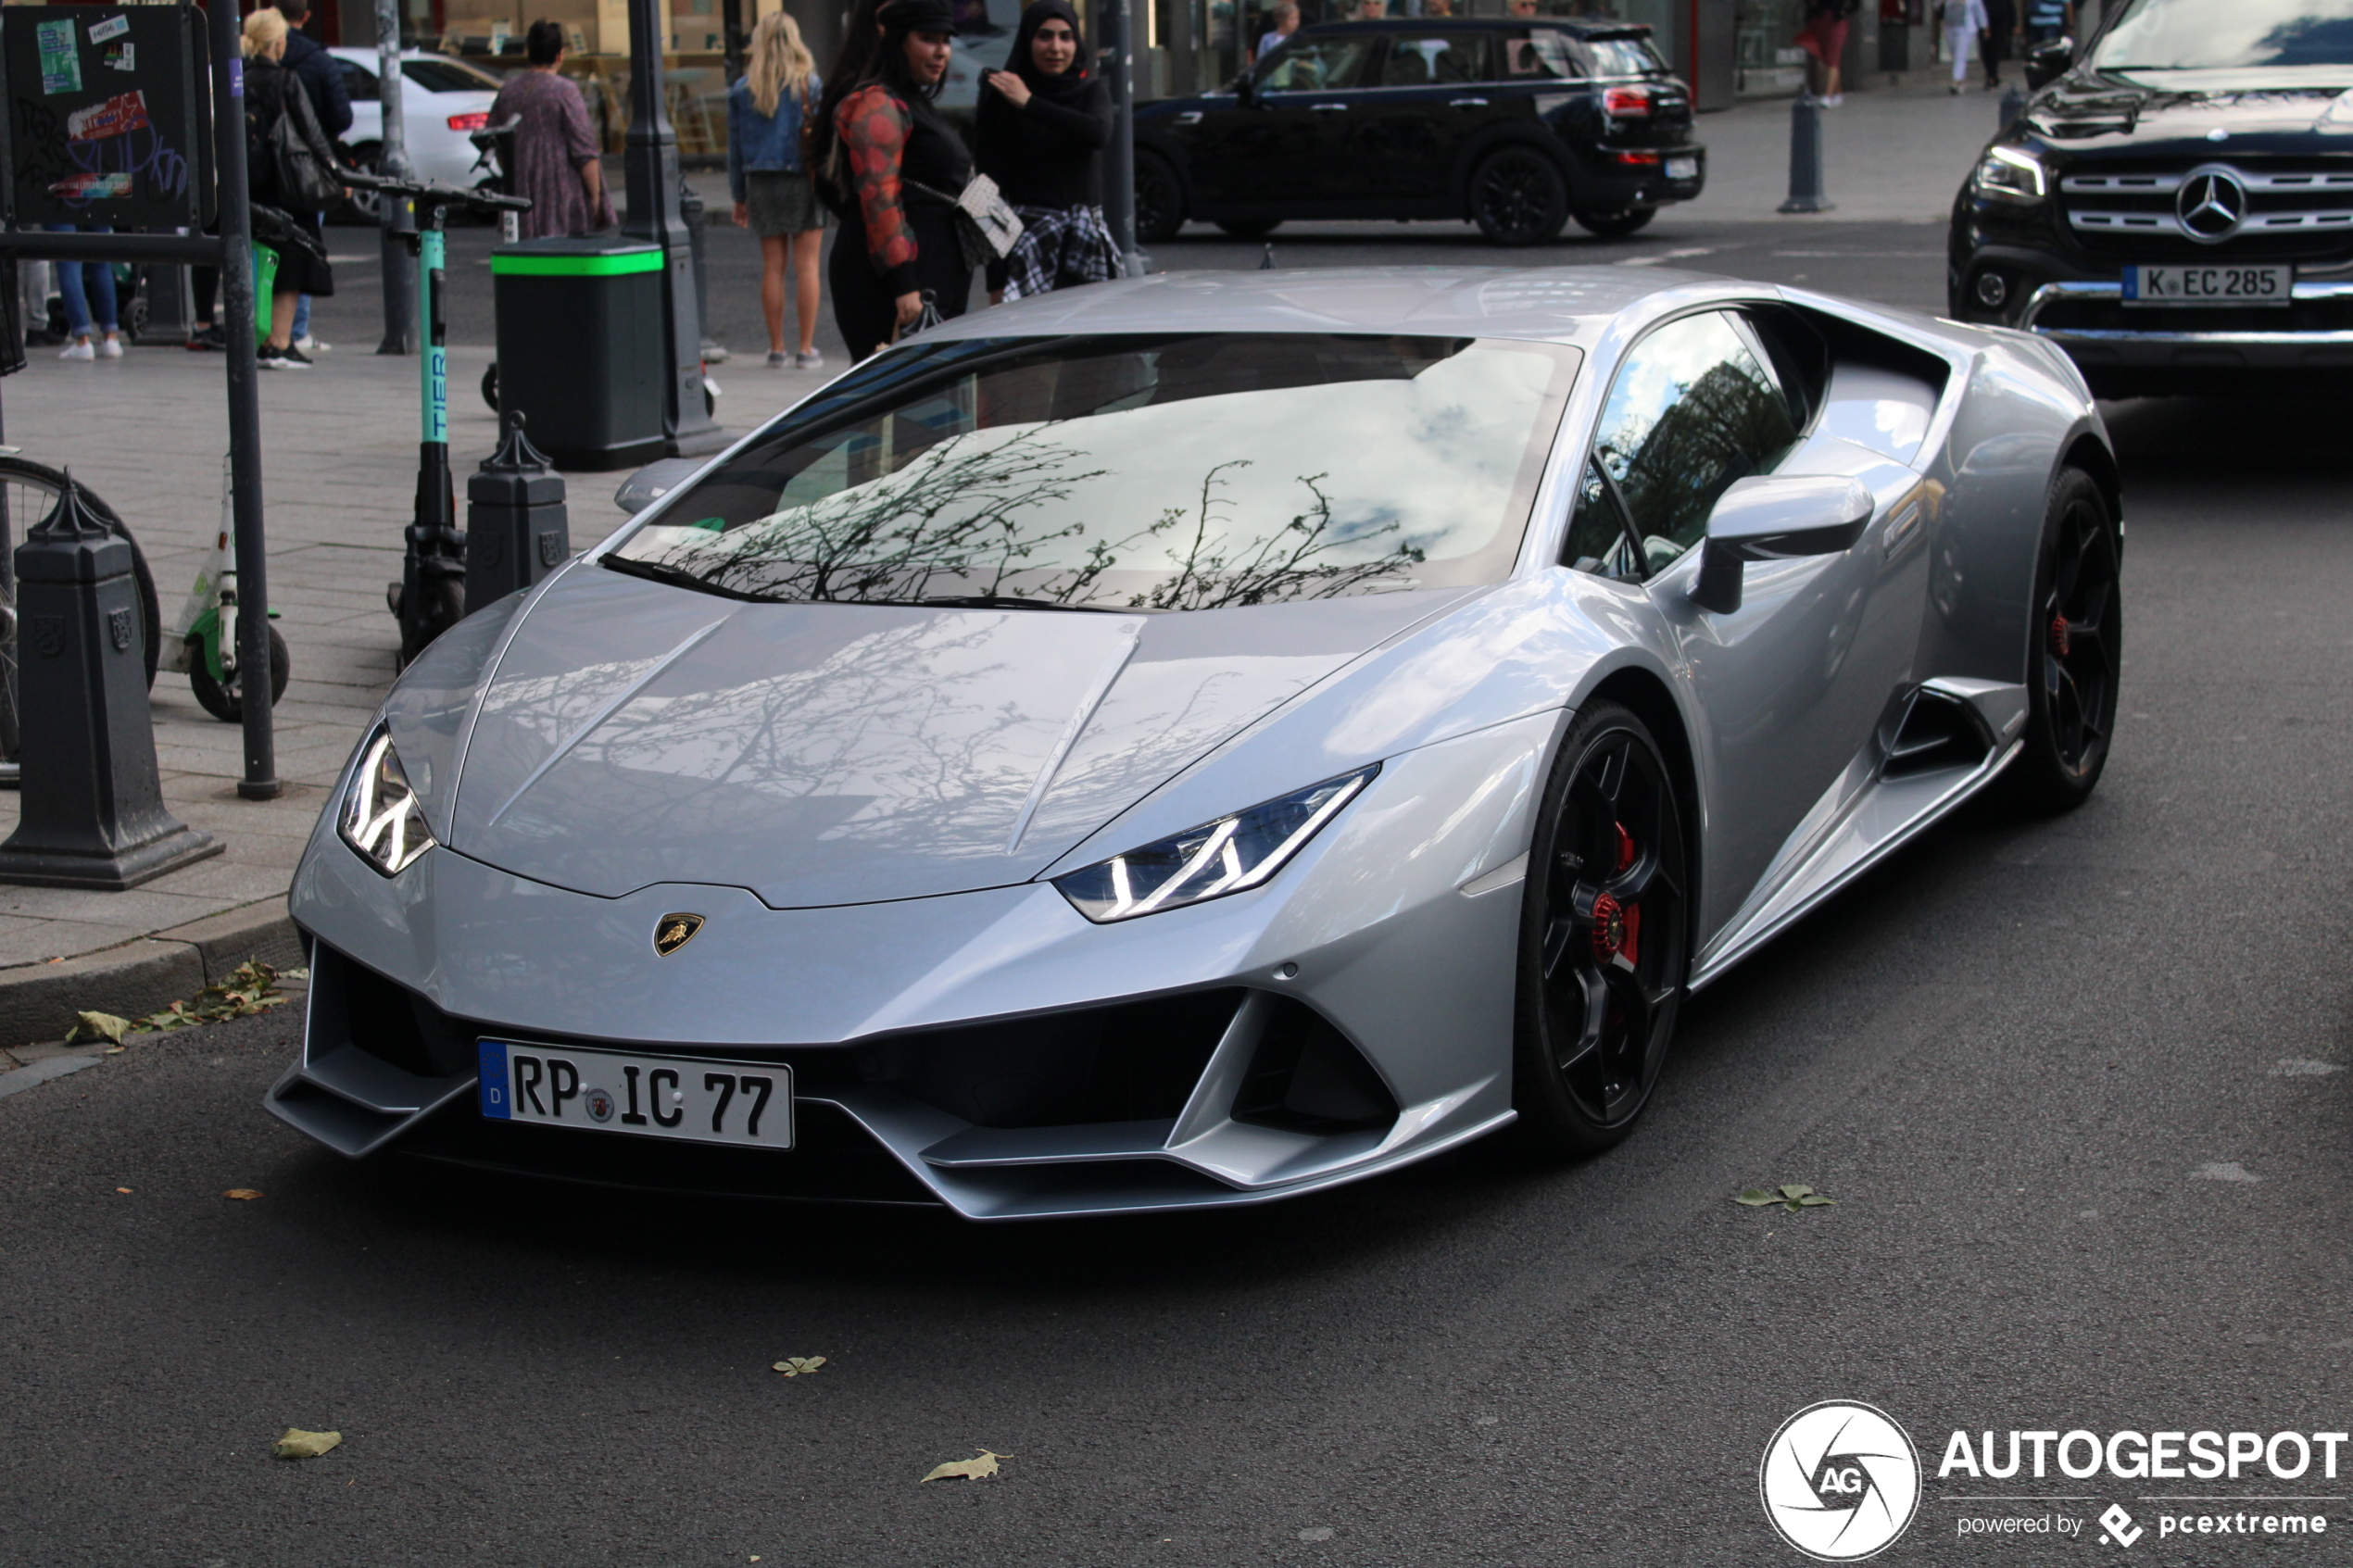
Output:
x=322 y=78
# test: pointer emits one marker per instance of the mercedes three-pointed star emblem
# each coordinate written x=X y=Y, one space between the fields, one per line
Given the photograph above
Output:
x=2212 y=205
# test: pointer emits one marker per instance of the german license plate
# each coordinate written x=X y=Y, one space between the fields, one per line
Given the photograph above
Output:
x=1682 y=168
x=2209 y=286
x=749 y=1104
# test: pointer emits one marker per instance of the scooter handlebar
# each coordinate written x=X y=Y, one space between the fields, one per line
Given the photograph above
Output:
x=434 y=195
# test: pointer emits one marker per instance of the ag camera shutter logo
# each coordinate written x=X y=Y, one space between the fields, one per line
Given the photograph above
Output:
x=1840 y=1481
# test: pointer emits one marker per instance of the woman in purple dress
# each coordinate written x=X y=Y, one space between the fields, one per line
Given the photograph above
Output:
x=555 y=147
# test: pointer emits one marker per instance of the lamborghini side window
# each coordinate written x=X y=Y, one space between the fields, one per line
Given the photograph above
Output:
x=1694 y=408
x=1598 y=542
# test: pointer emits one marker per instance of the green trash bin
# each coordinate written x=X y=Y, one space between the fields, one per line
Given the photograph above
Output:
x=580 y=349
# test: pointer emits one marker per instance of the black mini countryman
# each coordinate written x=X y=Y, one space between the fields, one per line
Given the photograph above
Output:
x=2176 y=208
x=1517 y=125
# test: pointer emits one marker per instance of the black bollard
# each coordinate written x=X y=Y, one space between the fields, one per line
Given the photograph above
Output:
x=690 y=211
x=1806 y=158
x=92 y=812
x=516 y=528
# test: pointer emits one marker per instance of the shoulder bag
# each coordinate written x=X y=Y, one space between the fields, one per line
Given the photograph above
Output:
x=986 y=225
x=306 y=182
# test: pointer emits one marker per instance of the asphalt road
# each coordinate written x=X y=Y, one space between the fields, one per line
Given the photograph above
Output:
x=2077 y=1085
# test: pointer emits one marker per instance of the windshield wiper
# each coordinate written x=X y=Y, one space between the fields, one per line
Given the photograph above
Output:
x=999 y=601
x=679 y=578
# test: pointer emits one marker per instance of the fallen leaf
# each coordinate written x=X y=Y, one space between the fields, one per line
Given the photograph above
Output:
x=969 y=1469
x=1755 y=1197
x=298 y=1443
x=98 y=1026
x=791 y=1366
x=243 y=1195
x=1789 y=1196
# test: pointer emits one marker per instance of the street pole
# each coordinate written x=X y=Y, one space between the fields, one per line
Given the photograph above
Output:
x=650 y=167
x=260 y=779
x=395 y=216
x=1119 y=168
x=732 y=37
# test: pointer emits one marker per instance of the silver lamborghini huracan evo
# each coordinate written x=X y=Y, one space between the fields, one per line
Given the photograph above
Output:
x=1204 y=738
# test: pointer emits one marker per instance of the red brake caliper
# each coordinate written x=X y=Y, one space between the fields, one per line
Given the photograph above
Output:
x=2060 y=641
x=1618 y=928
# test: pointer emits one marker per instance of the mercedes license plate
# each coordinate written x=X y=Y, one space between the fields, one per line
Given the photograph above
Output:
x=1682 y=168
x=2205 y=284
x=657 y=1097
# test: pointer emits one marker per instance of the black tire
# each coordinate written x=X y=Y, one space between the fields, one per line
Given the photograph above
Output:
x=2075 y=649
x=1605 y=945
x=227 y=703
x=490 y=385
x=1250 y=228
x=1518 y=197
x=444 y=607
x=1160 y=199
x=1615 y=225
x=29 y=491
x=361 y=207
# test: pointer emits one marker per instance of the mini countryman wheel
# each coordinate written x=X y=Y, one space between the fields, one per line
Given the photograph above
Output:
x=1518 y=197
x=2074 y=648
x=1160 y=199
x=1605 y=935
x=1615 y=225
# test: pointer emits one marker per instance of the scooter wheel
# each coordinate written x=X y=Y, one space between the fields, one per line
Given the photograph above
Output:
x=225 y=703
x=490 y=386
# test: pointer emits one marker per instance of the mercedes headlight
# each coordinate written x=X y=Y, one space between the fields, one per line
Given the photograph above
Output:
x=2009 y=175
x=380 y=816
x=1211 y=861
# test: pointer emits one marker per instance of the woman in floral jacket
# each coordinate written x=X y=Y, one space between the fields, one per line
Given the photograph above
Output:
x=892 y=167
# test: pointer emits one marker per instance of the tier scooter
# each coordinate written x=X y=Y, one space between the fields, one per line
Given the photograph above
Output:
x=431 y=595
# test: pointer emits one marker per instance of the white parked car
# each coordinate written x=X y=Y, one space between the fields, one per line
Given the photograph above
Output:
x=443 y=102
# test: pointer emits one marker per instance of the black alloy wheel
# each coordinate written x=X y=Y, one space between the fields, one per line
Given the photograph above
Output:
x=1250 y=228
x=1616 y=224
x=2075 y=651
x=1160 y=199
x=1518 y=197
x=1605 y=935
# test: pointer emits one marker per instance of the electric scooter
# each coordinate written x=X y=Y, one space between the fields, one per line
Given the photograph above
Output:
x=431 y=595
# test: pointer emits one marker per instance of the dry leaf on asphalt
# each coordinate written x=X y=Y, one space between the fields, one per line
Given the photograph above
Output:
x=298 y=1443
x=93 y=1026
x=793 y=1366
x=243 y=1195
x=1790 y=1195
x=969 y=1469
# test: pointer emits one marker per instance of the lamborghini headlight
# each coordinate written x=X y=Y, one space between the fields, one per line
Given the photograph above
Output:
x=1211 y=861
x=2006 y=174
x=380 y=816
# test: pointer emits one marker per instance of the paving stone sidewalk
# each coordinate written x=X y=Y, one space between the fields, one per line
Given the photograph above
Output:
x=148 y=432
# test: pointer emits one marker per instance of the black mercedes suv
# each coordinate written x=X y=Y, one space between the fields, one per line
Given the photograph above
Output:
x=1518 y=125
x=2176 y=206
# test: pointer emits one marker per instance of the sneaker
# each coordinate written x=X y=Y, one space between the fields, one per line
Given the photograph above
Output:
x=309 y=344
x=79 y=350
x=778 y=359
x=1834 y=100
x=207 y=340
x=297 y=359
x=270 y=359
x=111 y=348
x=1955 y=89
x=813 y=361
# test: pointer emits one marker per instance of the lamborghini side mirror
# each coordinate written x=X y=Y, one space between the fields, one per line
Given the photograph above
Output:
x=653 y=482
x=2048 y=60
x=1776 y=517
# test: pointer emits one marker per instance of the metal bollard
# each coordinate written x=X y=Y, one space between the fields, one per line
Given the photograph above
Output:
x=1806 y=158
x=92 y=813
x=517 y=531
x=690 y=211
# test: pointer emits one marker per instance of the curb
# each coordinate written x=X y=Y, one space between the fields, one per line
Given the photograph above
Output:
x=38 y=1001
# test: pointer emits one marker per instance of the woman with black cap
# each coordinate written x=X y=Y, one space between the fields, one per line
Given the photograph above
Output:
x=1042 y=128
x=891 y=168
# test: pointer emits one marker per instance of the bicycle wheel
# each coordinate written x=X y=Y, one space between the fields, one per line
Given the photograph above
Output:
x=28 y=492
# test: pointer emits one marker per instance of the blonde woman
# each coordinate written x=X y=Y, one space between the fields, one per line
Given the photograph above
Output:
x=770 y=183
x=286 y=225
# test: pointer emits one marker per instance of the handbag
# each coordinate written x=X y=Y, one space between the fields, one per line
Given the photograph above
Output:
x=306 y=182
x=929 y=319
x=986 y=225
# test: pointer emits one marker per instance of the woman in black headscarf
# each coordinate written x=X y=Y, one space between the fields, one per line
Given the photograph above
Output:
x=1041 y=130
x=891 y=168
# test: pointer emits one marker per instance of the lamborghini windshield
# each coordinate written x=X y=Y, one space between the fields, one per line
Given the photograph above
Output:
x=1133 y=472
x=2231 y=35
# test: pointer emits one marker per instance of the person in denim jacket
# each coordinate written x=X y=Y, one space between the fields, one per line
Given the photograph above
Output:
x=768 y=181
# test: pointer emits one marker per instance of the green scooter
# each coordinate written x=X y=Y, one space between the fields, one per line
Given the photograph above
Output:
x=431 y=595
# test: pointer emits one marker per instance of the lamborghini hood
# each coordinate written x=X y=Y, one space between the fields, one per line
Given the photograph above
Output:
x=632 y=733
